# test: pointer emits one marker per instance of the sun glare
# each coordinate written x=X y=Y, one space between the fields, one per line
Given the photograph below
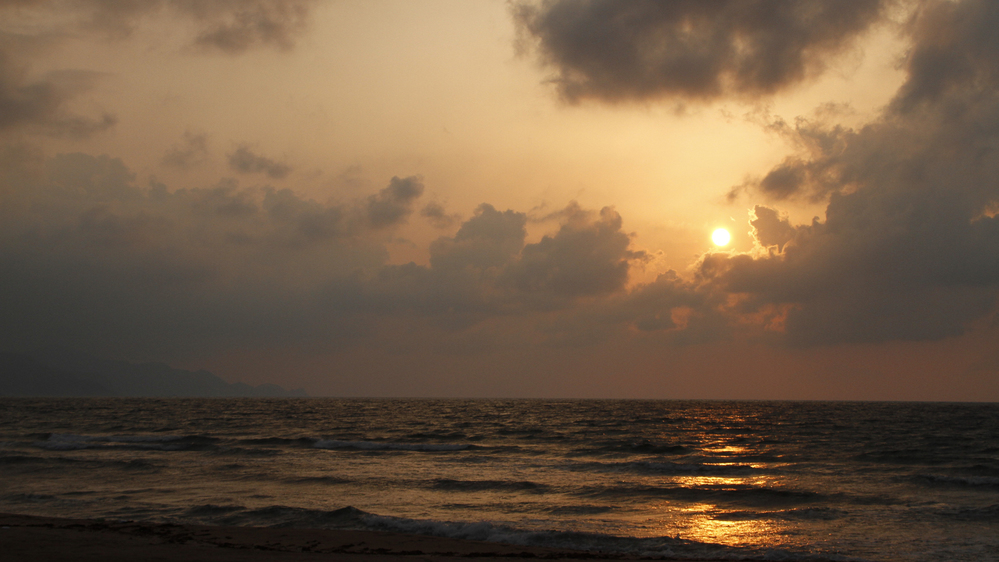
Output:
x=721 y=237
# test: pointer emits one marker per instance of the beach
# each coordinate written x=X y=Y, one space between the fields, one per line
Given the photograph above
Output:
x=31 y=538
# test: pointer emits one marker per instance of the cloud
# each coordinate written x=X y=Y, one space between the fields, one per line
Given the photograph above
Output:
x=40 y=105
x=632 y=51
x=491 y=239
x=393 y=204
x=587 y=256
x=952 y=50
x=230 y=26
x=438 y=215
x=244 y=161
x=770 y=228
x=908 y=247
x=91 y=259
x=238 y=25
x=487 y=272
x=191 y=153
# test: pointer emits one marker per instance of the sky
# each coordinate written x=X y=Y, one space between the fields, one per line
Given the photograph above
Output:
x=509 y=199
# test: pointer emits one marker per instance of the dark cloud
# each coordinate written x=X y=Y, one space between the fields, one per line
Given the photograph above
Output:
x=908 y=248
x=90 y=259
x=587 y=256
x=814 y=171
x=671 y=310
x=670 y=303
x=230 y=26
x=617 y=51
x=40 y=105
x=192 y=152
x=489 y=240
x=438 y=215
x=487 y=271
x=115 y=18
x=394 y=204
x=244 y=161
x=770 y=228
x=954 y=47
x=784 y=180
x=235 y=26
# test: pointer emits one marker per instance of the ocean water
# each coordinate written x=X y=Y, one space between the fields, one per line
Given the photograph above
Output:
x=738 y=480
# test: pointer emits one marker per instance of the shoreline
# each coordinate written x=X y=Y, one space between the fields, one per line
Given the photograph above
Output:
x=29 y=537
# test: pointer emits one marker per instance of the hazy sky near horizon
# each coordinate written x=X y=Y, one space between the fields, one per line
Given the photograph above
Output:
x=491 y=198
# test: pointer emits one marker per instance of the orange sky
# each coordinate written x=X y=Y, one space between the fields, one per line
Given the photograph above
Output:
x=452 y=198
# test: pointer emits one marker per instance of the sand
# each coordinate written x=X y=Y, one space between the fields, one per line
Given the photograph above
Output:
x=29 y=538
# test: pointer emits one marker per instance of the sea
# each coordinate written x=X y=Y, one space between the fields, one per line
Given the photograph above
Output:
x=692 y=479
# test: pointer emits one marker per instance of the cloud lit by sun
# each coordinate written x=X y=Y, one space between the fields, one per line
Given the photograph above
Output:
x=721 y=237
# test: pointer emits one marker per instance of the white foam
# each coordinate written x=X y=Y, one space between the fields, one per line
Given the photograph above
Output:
x=66 y=442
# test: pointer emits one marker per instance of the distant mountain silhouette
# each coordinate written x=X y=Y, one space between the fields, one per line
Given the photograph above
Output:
x=72 y=373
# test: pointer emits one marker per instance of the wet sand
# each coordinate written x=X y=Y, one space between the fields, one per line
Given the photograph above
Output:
x=29 y=538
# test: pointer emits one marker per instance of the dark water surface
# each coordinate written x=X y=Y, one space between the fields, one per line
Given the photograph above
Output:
x=743 y=480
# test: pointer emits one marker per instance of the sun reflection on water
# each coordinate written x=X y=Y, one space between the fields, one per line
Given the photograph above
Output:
x=729 y=450
x=714 y=522
x=705 y=522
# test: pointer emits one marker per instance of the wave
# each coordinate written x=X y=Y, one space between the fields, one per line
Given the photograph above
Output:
x=390 y=446
x=447 y=435
x=34 y=463
x=209 y=509
x=21 y=459
x=73 y=442
x=957 y=481
x=488 y=531
x=902 y=456
x=986 y=513
x=650 y=547
x=754 y=496
x=580 y=509
x=331 y=480
x=669 y=468
x=295 y=517
x=796 y=514
x=488 y=485
x=28 y=498
x=645 y=446
x=286 y=441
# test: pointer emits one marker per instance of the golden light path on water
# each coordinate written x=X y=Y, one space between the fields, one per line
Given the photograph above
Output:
x=710 y=522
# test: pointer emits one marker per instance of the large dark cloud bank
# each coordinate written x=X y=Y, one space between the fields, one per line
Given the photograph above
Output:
x=90 y=257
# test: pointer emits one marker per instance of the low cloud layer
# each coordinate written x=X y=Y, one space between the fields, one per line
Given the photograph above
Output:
x=394 y=204
x=438 y=215
x=90 y=258
x=646 y=50
x=245 y=161
x=192 y=152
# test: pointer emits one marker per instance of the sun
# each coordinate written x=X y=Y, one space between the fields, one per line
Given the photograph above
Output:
x=721 y=237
